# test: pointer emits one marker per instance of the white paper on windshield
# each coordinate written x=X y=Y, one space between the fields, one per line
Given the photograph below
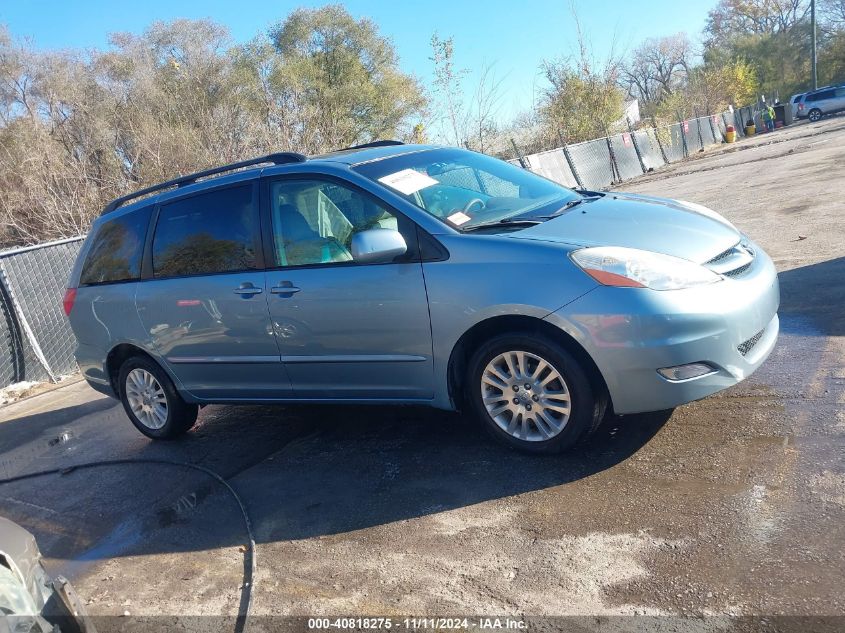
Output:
x=408 y=181
x=459 y=218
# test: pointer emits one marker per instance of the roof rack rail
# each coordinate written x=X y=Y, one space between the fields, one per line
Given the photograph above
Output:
x=383 y=143
x=279 y=158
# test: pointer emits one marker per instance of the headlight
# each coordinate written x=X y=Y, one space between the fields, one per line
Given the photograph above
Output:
x=633 y=268
x=710 y=213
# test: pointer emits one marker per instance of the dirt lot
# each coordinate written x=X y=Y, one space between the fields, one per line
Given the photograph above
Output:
x=733 y=505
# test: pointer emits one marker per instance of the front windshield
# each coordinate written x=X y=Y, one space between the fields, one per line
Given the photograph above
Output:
x=466 y=189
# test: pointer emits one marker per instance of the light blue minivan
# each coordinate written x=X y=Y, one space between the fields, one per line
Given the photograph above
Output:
x=391 y=273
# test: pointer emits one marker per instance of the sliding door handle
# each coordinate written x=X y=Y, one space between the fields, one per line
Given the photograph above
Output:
x=247 y=290
x=284 y=290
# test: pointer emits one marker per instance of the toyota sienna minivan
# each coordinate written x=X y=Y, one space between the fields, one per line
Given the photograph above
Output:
x=411 y=274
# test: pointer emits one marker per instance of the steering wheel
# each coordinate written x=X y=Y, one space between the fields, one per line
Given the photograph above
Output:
x=471 y=203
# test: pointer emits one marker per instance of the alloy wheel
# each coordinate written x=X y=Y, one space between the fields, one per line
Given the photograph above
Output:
x=146 y=398
x=526 y=396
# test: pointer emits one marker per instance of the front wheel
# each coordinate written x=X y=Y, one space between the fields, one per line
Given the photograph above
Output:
x=152 y=402
x=532 y=394
x=814 y=115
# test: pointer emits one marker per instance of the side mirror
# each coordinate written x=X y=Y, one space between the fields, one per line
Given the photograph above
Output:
x=377 y=246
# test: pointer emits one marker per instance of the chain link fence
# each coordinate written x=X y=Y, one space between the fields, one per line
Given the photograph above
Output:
x=36 y=342
x=604 y=162
x=554 y=166
x=650 y=150
x=625 y=156
x=593 y=165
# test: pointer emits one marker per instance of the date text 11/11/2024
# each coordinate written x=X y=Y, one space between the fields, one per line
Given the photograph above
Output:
x=418 y=623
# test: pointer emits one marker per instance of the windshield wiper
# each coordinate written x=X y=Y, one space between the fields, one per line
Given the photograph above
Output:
x=503 y=222
x=533 y=219
x=569 y=205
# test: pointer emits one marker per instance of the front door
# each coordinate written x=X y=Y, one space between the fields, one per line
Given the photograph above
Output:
x=344 y=329
x=204 y=303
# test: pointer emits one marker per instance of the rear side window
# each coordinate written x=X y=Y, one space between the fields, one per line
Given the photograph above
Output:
x=797 y=98
x=115 y=253
x=208 y=233
x=819 y=96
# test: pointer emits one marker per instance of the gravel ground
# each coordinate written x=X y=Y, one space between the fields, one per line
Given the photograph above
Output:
x=732 y=505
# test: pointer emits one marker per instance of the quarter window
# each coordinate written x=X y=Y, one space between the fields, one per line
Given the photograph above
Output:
x=314 y=221
x=208 y=233
x=115 y=253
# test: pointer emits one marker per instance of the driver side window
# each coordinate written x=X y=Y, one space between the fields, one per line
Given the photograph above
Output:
x=314 y=221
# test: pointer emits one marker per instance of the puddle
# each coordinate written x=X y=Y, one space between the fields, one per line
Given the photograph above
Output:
x=60 y=439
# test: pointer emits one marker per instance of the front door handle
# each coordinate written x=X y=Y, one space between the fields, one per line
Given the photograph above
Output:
x=247 y=290
x=284 y=289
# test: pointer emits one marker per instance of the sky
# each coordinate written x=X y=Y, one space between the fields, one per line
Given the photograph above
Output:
x=514 y=37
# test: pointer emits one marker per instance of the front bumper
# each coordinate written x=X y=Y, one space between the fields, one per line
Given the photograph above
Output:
x=630 y=333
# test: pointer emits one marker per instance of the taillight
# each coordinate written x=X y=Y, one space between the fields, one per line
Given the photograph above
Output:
x=70 y=297
x=800 y=106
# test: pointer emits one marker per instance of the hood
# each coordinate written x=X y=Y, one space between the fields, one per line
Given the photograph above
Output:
x=653 y=224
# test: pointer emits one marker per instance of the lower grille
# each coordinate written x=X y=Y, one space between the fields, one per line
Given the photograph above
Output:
x=736 y=272
x=746 y=346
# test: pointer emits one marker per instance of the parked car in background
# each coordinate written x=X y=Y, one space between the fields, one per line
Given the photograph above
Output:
x=818 y=103
x=393 y=273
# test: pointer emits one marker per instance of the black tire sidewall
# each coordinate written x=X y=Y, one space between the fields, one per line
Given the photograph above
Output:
x=180 y=416
x=818 y=117
x=583 y=402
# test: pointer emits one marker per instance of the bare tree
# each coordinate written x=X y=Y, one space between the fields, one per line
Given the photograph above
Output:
x=448 y=88
x=833 y=12
x=483 y=121
x=657 y=67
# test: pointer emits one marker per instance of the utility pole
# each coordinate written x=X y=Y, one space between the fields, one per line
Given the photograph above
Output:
x=813 y=27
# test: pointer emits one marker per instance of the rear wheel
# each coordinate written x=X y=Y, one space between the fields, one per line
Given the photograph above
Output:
x=814 y=115
x=532 y=394
x=152 y=402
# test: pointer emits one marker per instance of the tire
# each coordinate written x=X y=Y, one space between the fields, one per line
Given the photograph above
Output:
x=553 y=431
x=152 y=402
x=814 y=115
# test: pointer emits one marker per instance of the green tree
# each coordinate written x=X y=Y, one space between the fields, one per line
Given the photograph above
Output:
x=730 y=18
x=583 y=98
x=80 y=128
x=580 y=103
x=832 y=60
x=710 y=89
x=345 y=77
x=773 y=36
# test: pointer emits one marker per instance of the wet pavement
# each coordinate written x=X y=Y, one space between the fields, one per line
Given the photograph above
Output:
x=732 y=505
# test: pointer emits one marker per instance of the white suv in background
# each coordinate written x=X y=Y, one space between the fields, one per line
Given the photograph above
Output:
x=816 y=104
